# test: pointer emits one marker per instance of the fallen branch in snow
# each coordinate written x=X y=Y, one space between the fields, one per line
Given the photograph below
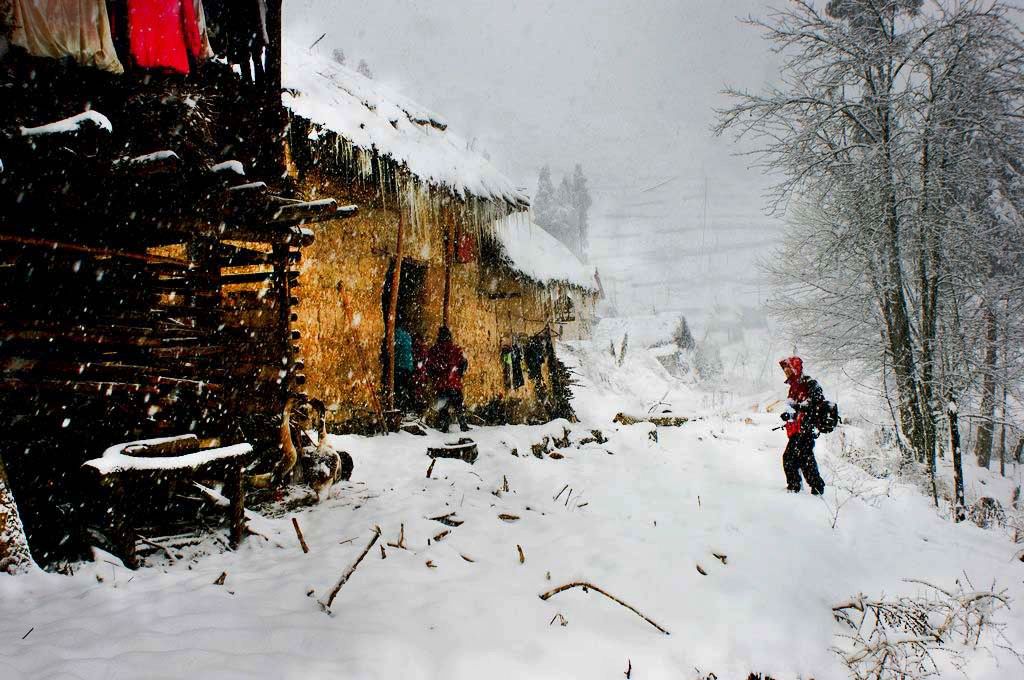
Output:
x=589 y=586
x=468 y=559
x=430 y=468
x=447 y=520
x=220 y=579
x=400 y=544
x=562 y=621
x=159 y=546
x=298 y=532
x=560 y=492
x=326 y=606
x=896 y=639
x=522 y=556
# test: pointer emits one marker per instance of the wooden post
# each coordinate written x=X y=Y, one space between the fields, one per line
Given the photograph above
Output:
x=958 y=469
x=281 y=345
x=235 y=488
x=396 y=282
x=122 y=534
x=449 y=258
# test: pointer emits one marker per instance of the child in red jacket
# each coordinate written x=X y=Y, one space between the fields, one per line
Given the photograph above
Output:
x=804 y=396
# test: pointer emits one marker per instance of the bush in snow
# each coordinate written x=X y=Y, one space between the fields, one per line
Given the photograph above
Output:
x=707 y=360
x=682 y=335
x=903 y=638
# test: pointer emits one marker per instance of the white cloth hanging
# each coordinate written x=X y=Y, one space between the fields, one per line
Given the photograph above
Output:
x=79 y=29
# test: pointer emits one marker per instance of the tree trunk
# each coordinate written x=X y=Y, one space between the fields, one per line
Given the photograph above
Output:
x=15 y=557
x=983 y=443
x=959 y=503
x=1002 y=436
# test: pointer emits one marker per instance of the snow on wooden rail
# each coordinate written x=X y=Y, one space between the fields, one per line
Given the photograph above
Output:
x=119 y=459
x=74 y=124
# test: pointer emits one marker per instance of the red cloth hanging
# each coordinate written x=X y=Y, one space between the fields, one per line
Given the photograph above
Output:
x=465 y=248
x=163 y=34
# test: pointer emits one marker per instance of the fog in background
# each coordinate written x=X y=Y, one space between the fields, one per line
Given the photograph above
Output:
x=625 y=87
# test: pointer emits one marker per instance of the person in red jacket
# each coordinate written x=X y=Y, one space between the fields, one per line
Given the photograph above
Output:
x=804 y=396
x=446 y=364
x=164 y=35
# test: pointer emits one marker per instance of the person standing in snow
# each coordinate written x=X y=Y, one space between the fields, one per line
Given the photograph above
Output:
x=404 y=365
x=446 y=364
x=804 y=397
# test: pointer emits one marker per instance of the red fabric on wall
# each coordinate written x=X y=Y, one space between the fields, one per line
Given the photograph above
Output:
x=163 y=34
x=465 y=249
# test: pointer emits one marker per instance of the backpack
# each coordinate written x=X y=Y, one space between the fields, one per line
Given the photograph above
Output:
x=825 y=416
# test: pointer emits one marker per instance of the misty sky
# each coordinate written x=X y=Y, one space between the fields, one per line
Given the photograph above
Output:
x=625 y=87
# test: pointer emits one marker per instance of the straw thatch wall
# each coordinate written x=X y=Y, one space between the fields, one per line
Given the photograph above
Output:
x=343 y=276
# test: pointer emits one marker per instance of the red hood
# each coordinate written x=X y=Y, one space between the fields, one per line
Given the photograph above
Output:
x=796 y=364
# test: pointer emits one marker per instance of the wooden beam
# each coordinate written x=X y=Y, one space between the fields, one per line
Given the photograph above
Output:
x=396 y=282
x=449 y=258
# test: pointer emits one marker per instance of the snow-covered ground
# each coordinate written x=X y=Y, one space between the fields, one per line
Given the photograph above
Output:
x=639 y=518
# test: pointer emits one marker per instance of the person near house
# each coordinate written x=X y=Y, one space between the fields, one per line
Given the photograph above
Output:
x=404 y=366
x=804 y=399
x=420 y=387
x=446 y=366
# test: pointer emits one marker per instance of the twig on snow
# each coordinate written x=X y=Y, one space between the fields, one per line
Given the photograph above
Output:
x=522 y=555
x=298 y=532
x=326 y=606
x=589 y=586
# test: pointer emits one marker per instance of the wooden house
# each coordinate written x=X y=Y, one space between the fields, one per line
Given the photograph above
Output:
x=148 y=266
x=468 y=256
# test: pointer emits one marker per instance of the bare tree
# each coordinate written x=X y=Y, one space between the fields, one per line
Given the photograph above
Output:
x=897 y=132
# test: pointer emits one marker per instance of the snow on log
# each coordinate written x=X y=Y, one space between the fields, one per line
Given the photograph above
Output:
x=73 y=125
x=118 y=461
x=465 y=450
x=150 y=162
x=235 y=167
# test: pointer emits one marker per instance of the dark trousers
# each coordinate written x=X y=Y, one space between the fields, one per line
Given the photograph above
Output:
x=799 y=458
x=451 y=403
x=403 y=389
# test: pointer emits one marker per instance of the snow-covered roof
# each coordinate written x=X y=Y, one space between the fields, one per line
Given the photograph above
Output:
x=371 y=116
x=538 y=255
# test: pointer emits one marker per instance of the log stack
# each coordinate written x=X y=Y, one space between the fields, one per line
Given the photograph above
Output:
x=139 y=296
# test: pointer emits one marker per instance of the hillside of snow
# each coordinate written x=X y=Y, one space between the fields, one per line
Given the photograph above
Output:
x=689 y=525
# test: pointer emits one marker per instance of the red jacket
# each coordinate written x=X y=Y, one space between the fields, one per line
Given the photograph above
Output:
x=803 y=390
x=163 y=34
x=445 y=365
